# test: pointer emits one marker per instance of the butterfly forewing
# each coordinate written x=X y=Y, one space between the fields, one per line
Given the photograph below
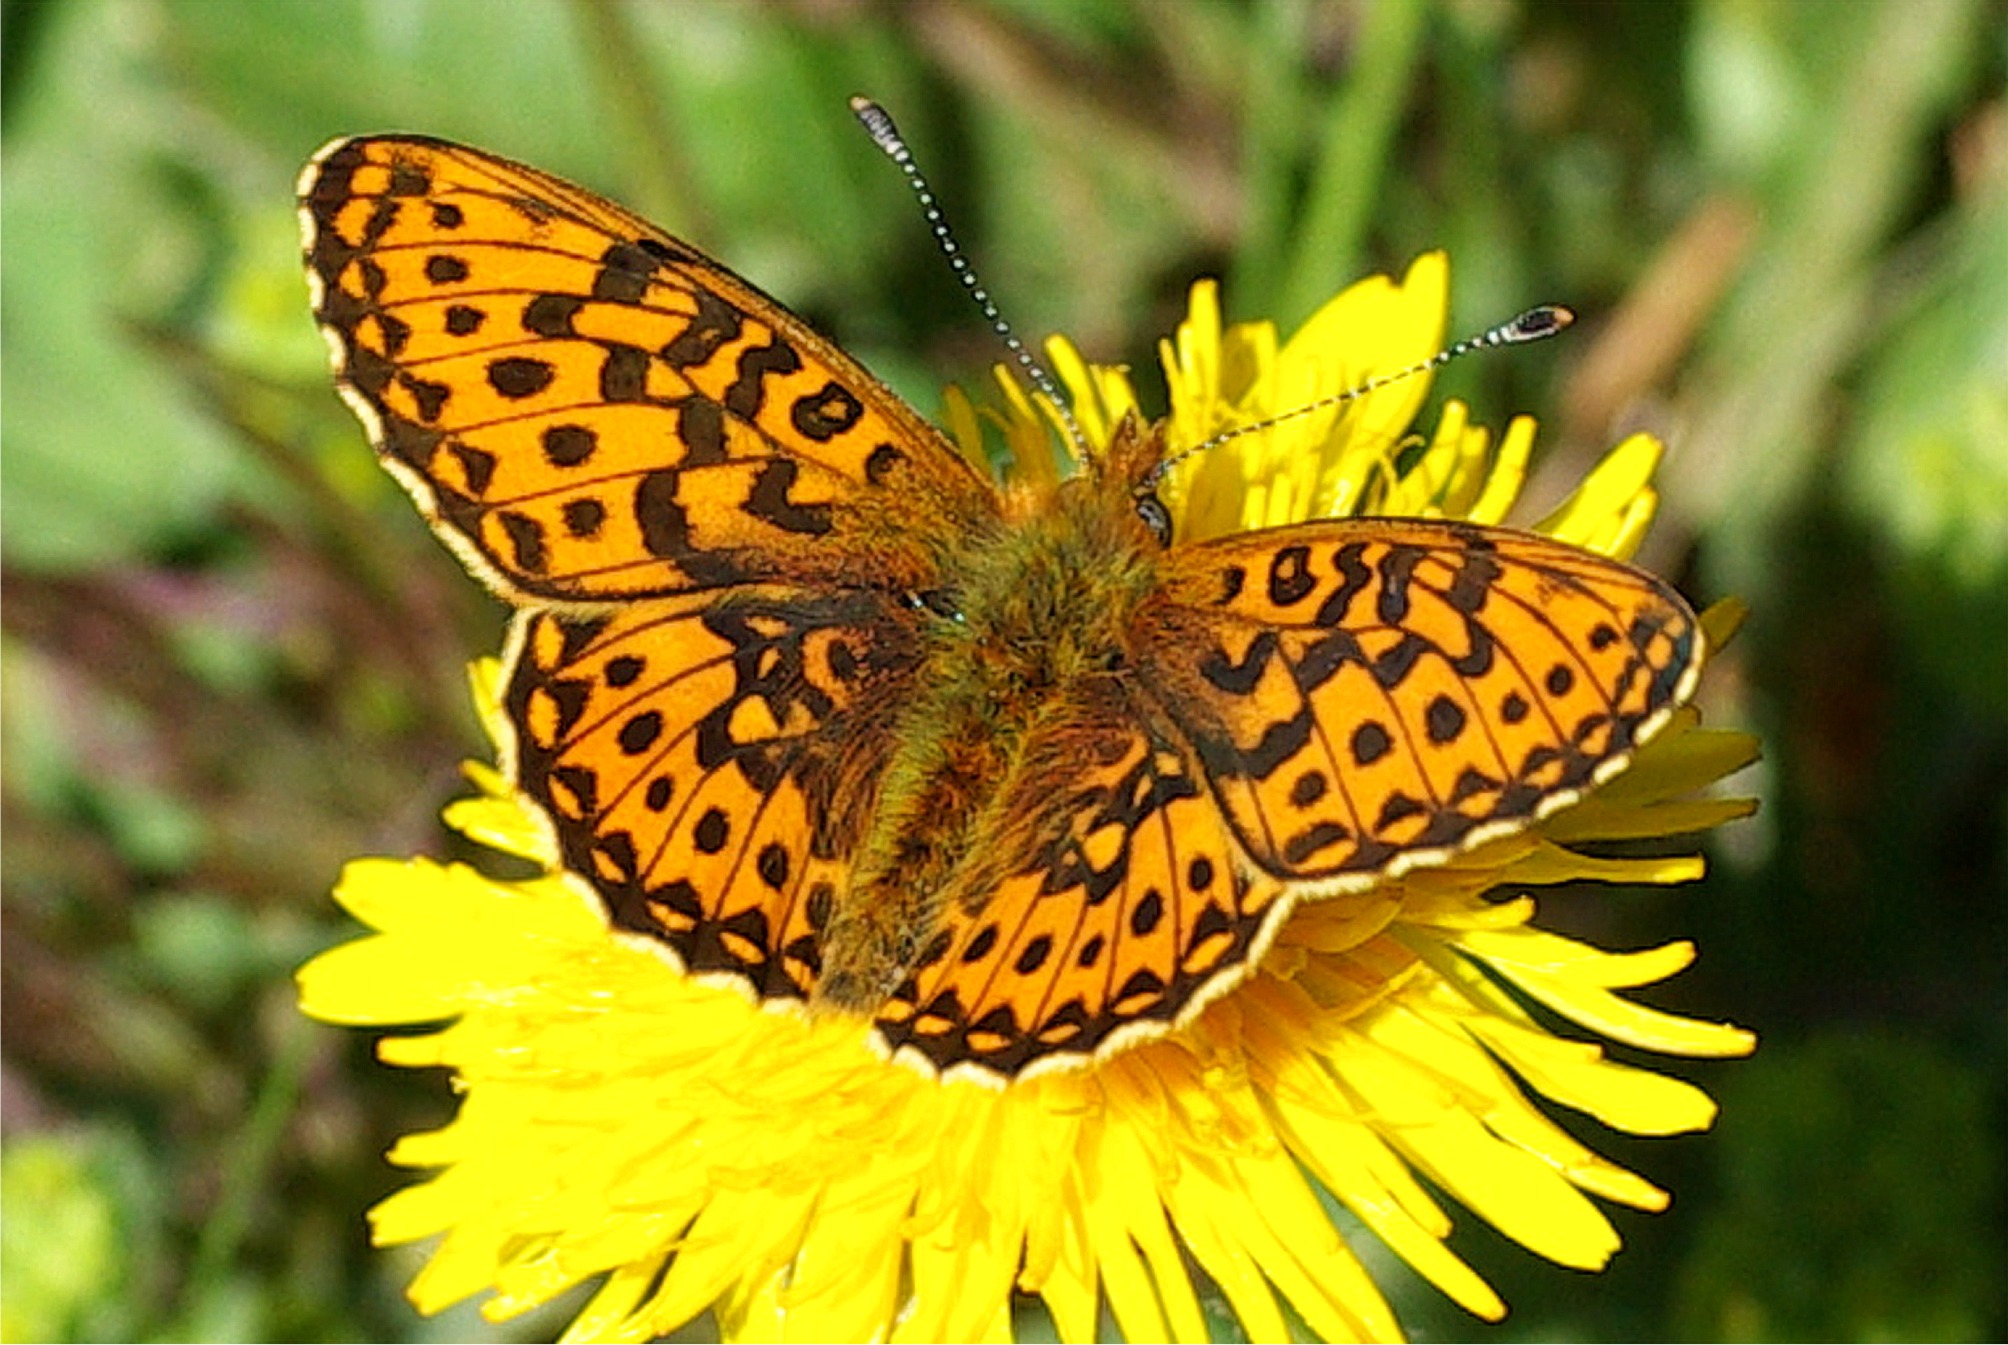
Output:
x=1370 y=695
x=587 y=408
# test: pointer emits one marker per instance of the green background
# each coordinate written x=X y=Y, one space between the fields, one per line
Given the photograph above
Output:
x=233 y=656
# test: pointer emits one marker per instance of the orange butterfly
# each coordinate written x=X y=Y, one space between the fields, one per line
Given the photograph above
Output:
x=812 y=703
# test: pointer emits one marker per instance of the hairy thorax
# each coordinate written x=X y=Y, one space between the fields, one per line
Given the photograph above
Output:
x=1028 y=661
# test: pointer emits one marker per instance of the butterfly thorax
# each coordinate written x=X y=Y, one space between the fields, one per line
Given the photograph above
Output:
x=1027 y=668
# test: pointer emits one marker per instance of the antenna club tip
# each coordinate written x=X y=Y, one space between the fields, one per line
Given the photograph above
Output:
x=876 y=121
x=1545 y=320
x=1535 y=324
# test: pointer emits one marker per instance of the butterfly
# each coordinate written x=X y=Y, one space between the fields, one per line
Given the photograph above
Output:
x=817 y=708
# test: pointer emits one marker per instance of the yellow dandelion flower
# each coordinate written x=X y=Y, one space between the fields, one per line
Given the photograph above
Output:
x=619 y=1119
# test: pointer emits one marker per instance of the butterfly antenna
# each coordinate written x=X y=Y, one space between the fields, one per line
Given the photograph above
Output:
x=1536 y=324
x=878 y=124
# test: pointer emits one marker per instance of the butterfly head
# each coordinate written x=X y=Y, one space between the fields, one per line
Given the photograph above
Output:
x=1125 y=476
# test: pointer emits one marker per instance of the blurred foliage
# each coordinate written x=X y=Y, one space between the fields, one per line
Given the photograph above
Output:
x=233 y=658
x=1853 y=1167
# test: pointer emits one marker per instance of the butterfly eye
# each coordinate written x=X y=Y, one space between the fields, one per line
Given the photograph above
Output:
x=938 y=601
x=1155 y=517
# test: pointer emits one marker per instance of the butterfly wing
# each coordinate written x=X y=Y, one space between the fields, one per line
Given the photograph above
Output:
x=706 y=763
x=711 y=516
x=587 y=408
x=1124 y=903
x=1373 y=695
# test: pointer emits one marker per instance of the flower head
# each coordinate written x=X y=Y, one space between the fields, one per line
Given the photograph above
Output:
x=620 y=1119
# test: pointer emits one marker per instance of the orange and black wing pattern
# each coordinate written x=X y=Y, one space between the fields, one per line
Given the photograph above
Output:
x=1126 y=910
x=1372 y=695
x=589 y=409
x=705 y=764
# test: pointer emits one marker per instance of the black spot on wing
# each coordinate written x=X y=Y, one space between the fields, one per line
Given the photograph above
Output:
x=519 y=376
x=880 y=463
x=1370 y=742
x=624 y=374
x=1239 y=678
x=748 y=392
x=623 y=277
x=825 y=414
x=714 y=324
x=1290 y=580
x=551 y=315
x=1397 y=569
x=770 y=500
x=568 y=445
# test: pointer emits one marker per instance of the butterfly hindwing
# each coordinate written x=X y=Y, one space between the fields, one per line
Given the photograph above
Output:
x=587 y=408
x=698 y=759
x=1369 y=695
x=1127 y=907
